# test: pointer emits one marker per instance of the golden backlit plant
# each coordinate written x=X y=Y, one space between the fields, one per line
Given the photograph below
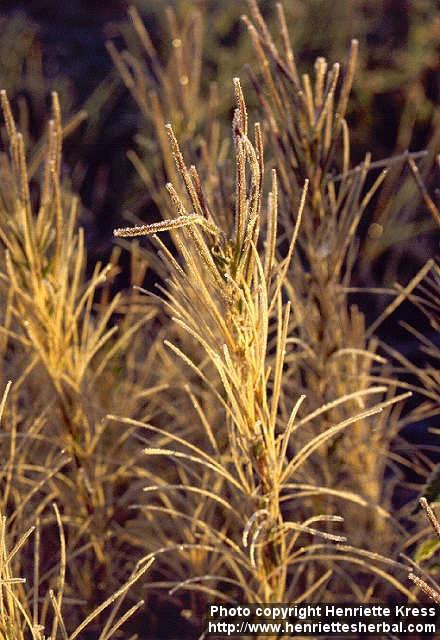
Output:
x=69 y=363
x=31 y=610
x=244 y=535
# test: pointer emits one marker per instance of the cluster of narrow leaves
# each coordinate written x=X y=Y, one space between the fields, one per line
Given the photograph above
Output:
x=226 y=290
x=60 y=346
x=283 y=374
x=27 y=611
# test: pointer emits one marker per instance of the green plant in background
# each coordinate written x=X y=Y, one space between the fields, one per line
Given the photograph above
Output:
x=426 y=552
